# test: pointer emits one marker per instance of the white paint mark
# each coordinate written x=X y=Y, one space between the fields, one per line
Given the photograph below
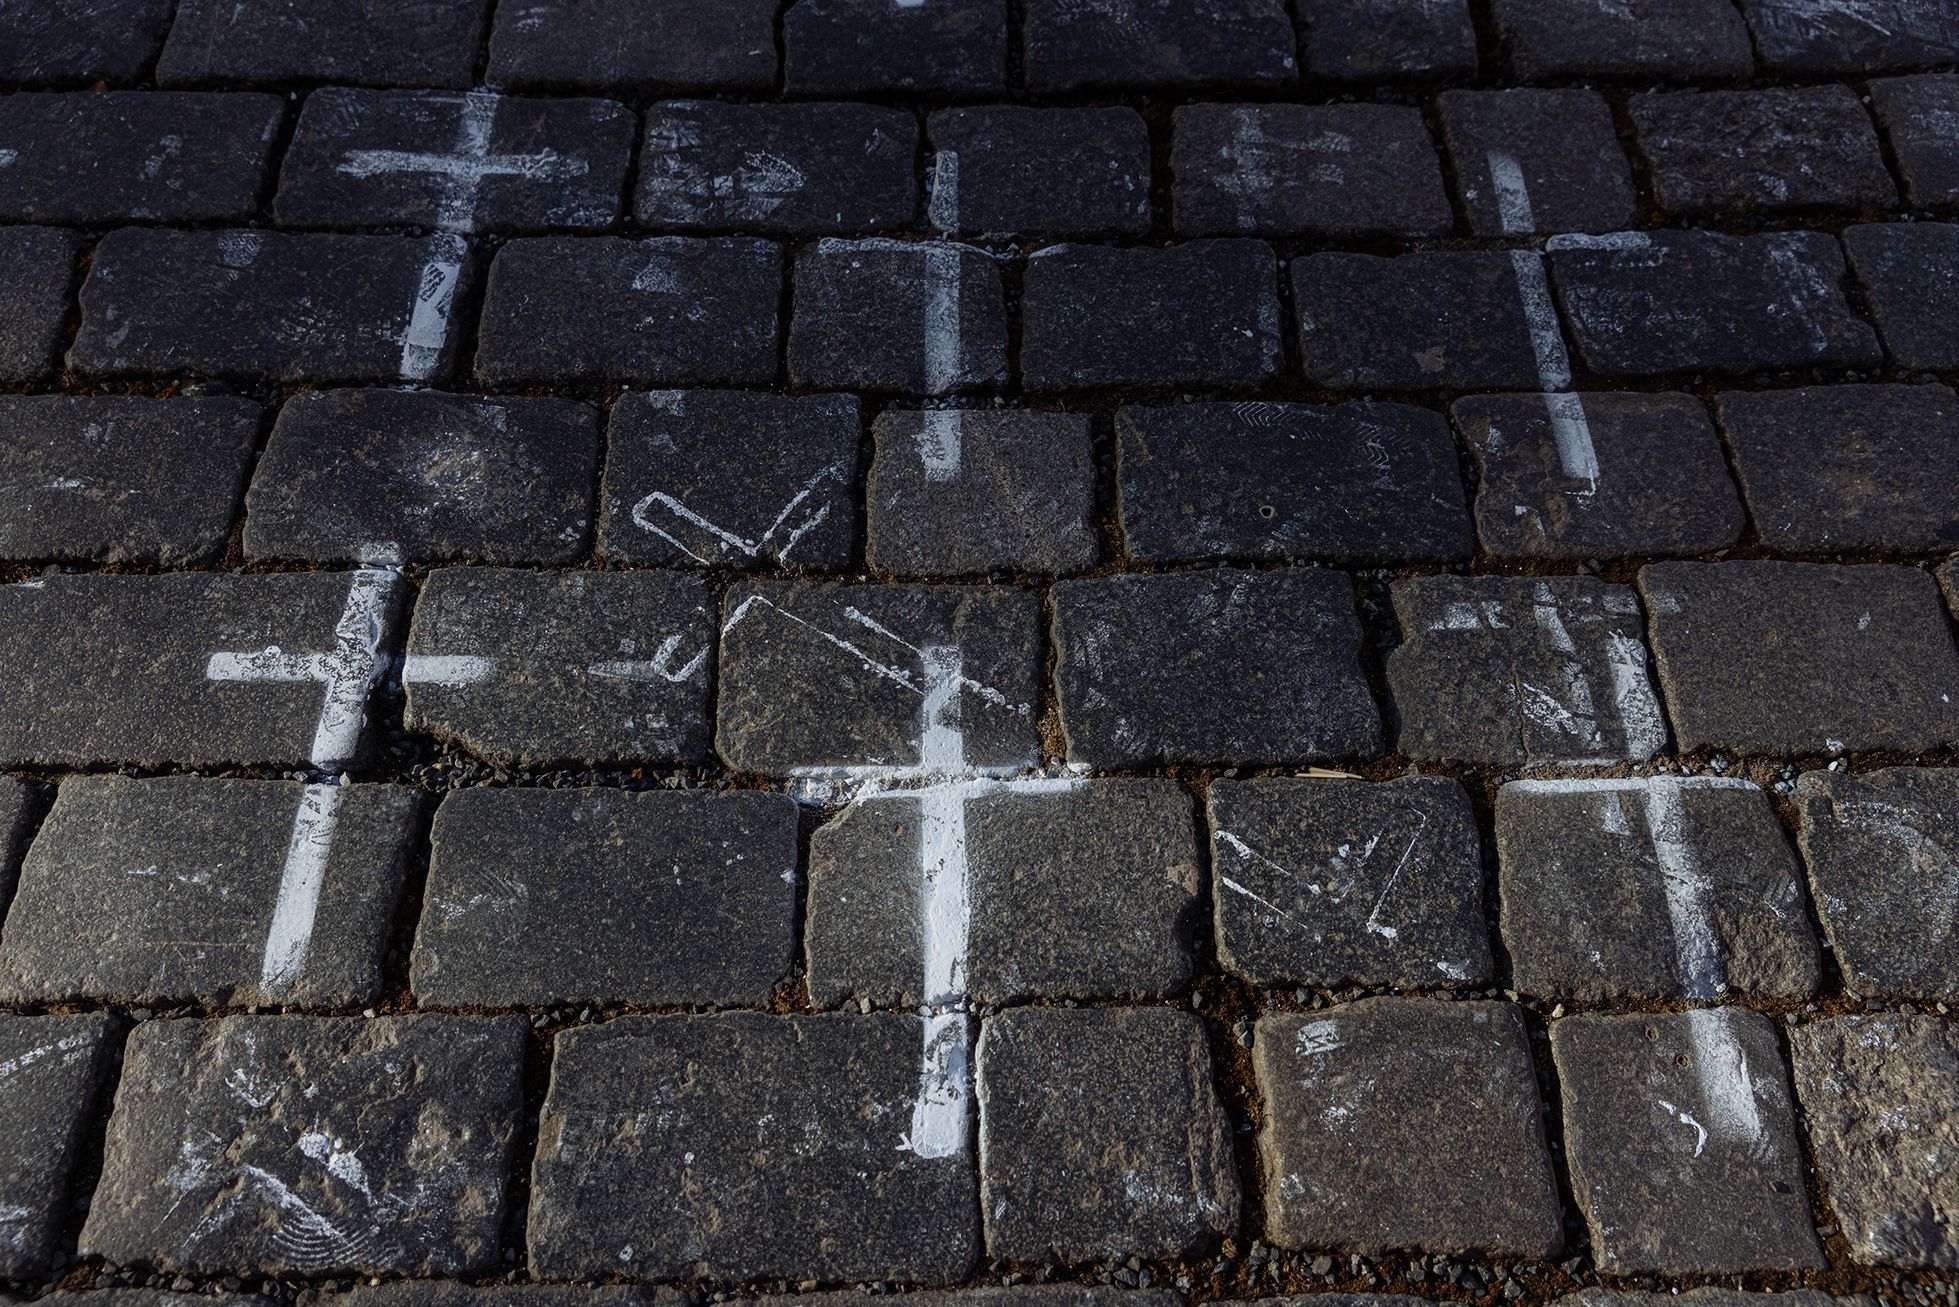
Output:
x=1318 y=1037
x=1546 y=340
x=939 y=1115
x=1727 y=1087
x=1279 y=913
x=1640 y=720
x=1513 y=211
x=1687 y=1119
x=660 y=666
x=1694 y=945
x=1245 y=850
x=290 y=935
x=450 y=671
x=725 y=539
x=7 y=158
x=944 y=350
x=1571 y=433
x=1373 y=923
x=1616 y=240
x=943 y=209
x=1625 y=784
x=428 y=319
x=938 y=444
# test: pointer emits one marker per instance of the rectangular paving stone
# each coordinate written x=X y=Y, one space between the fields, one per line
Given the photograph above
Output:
x=1342 y=170
x=634 y=47
x=1220 y=667
x=1355 y=482
x=1779 y=150
x=1101 y=1136
x=1654 y=887
x=1808 y=37
x=1679 y=40
x=955 y=491
x=114 y=479
x=1367 y=40
x=1910 y=276
x=1404 y=1123
x=1532 y=160
x=1598 y=475
x=1847 y=467
x=1203 y=313
x=35 y=299
x=1033 y=889
x=852 y=47
x=1157 y=45
x=919 y=317
x=272 y=306
x=76 y=42
x=389 y=476
x=192 y=670
x=1881 y=1094
x=678 y=489
x=96 y=158
x=1323 y=882
x=1680 y=1137
x=878 y=681
x=1645 y=303
x=308 y=1146
x=468 y=162
x=665 y=310
x=225 y=893
x=1920 y=117
x=50 y=1069
x=264 y=42
x=1881 y=848
x=1007 y=170
x=1802 y=658
x=562 y=669
x=1509 y=671
x=689 y=1145
x=537 y=897
x=795 y=169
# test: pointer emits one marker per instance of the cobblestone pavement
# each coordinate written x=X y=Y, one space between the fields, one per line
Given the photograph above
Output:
x=1030 y=653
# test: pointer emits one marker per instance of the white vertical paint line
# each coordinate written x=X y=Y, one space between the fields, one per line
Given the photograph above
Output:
x=1727 y=1088
x=938 y=443
x=461 y=183
x=1513 y=211
x=1701 y=973
x=1632 y=693
x=1546 y=341
x=435 y=296
x=353 y=668
x=1571 y=433
x=290 y=935
x=944 y=208
x=942 y=333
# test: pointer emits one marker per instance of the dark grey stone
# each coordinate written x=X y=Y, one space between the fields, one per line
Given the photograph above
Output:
x=1404 y=1123
x=1707 y=1296
x=1881 y=1094
x=1073 y=889
x=1024 y=1294
x=110 y=479
x=1255 y=480
x=920 y=317
x=1802 y=658
x=665 y=310
x=1225 y=667
x=1777 y=150
x=16 y=805
x=1344 y=170
x=440 y=1293
x=1330 y=882
x=1510 y=671
x=873 y=680
x=192 y=669
x=954 y=491
x=1599 y=475
x=307 y=1146
x=272 y=306
x=1644 y=303
x=456 y=162
x=149 y=1298
x=50 y=1069
x=1920 y=116
x=1829 y=468
x=75 y=42
x=851 y=47
x=690 y=1145
x=185 y=890
x=1680 y=1137
x=555 y=669
x=1157 y=45
x=1531 y=161
x=1948 y=576
x=538 y=897
x=1657 y=887
x=1910 y=275
x=795 y=169
x=1100 y=1136
x=1202 y=313
x=634 y=47
x=1881 y=848
x=1008 y=169
x=91 y=159
x=1372 y=40
x=35 y=299
x=727 y=479
x=1676 y=39
x=1836 y=37
x=403 y=43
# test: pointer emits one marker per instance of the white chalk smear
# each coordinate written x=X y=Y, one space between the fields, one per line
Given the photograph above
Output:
x=943 y=209
x=1513 y=211
x=938 y=443
x=1687 y=1119
x=451 y=671
x=1727 y=1088
x=428 y=318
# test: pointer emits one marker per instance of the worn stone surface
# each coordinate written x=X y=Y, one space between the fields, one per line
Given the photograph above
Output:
x=1364 y=40
x=633 y=47
x=1510 y=670
x=1883 y=854
x=1323 y=882
x=109 y=479
x=855 y=47
x=67 y=42
x=1920 y=117
x=954 y=491
x=1675 y=39
x=538 y=897
x=1808 y=37
x=1802 y=658
x=749 y=1175
x=1157 y=44
x=16 y=805
x=1355 y=482
x=1073 y=888
x=50 y=1069
x=1910 y=275
x=1777 y=150
x=439 y=1293
x=1680 y=1137
x=1650 y=888
x=387 y=476
x=305 y=1146
x=1024 y=1294
x=1706 y=1296
x=1007 y=169
x=1829 y=468
x=551 y=669
x=1100 y=1136
x=1404 y=1123
x=403 y=43
x=1537 y=160
x=1225 y=667
x=34 y=299
x=918 y=317
x=1948 y=576
x=727 y=479
x=1882 y=1097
